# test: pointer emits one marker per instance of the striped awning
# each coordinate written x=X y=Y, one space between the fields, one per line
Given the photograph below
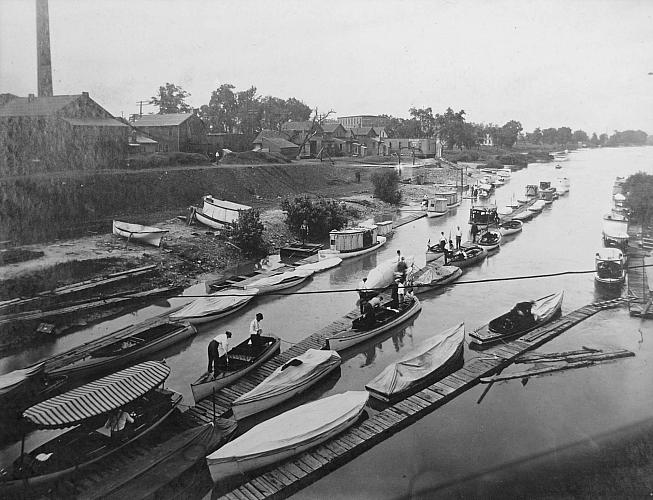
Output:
x=99 y=397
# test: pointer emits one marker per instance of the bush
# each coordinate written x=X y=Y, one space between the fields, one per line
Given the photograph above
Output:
x=464 y=156
x=247 y=234
x=494 y=164
x=386 y=186
x=519 y=160
x=322 y=215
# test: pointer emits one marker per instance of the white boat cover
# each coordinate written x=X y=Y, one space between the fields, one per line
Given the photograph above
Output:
x=617 y=229
x=505 y=210
x=99 y=397
x=320 y=265
x=419 y=363
x=127 y=227
x=12 y=379
x=276 y=279
x=613 y=254
x=222 y=210
x=543 y=308
x=215 y=303
x=537 y=206
x=311 y=364
x=384 y=274
x=619 y=197
x=300 y=425
x=433 y=272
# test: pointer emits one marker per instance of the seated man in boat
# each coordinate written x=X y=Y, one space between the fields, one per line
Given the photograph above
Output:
x=520 y=317
x=117 y=422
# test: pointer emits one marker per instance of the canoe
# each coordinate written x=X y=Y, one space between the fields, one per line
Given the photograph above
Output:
x=135 y=390
x=320 y=265
x=431 y=360
x=330 y=253
x=385 y=319
x=243 y=358
x=217 y=305
x=489 y=240
x=511 y=227
x=287 y=435
x=513 y=324
x=290 y=379
x=12 y=382
x=537 y=206
x=280 y=281
x=467 y=256
x=382 y=276
x=137 y=343
x=143 y=234
x=432 y=276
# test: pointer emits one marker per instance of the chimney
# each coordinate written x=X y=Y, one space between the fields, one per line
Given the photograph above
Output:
x=31 y=98
x=43 y=59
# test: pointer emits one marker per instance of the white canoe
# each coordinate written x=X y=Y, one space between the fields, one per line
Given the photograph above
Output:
x=281 y=281
x=217 y=305
x=320 y=265
x=430 y=358
x=434 y=275
x=144 y=234
x=538 y=206
x=294 y=377
x=13 y=380
x=288 y=434
x=328 y=254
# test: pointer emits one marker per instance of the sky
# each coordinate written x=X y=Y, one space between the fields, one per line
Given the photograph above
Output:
x=581 y=64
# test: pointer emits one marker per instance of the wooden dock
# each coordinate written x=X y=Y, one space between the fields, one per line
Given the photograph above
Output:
x=639 y=292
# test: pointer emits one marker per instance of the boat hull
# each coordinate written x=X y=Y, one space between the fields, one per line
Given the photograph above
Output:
x=327 y=254
x=430 y=213
x=433 y=285
x=610 y=282
x=143 y=234
x=204 y=219
x=206 y=318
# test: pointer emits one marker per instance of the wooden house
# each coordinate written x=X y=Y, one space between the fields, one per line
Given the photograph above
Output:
x=184 y=132
x=297 y=133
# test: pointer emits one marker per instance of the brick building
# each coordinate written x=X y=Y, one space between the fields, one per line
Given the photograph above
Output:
x=359 y=121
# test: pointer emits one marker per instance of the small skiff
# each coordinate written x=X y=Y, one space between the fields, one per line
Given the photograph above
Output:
x=290 y=379
x=243 y=358
x=431 y=360
x=489 y=240
x=136 y=232
x=538 y=206
x=467 y=256
x=511 y=227
x=521 y=319
x=385 y=318
x=280 y=281
x=320 y=265
x=432 y=276
x=217 y=305
x=287 y=435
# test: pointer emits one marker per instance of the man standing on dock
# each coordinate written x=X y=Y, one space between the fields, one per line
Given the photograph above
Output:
x=218 y=349
x=474 y=232
x=459 y=237
x=303 y=232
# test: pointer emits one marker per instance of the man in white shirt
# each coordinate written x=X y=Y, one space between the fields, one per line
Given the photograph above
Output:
x=255 y=330
x=459 y=237
x=218 y=349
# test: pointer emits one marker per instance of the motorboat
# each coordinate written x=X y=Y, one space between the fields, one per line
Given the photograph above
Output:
x=453 y=199
x=287 y=435
x=218 y=214
x=467 y=256
x=243 y=358
x=547 y=195
x=521 y=319
x=537 y=207
x=610 y=265
x=489 y=240
x=149 y=235
x=510 y=227
x=437 y=207
x=434 y=252
x=352 y=242
x=429 y=361
x=615 y=231
x=388 y=315
x=563 y=185
x=216 y=305
x=292 y=378
x=433 y=275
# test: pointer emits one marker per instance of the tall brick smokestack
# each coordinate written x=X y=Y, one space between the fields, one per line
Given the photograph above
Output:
x=43 y=60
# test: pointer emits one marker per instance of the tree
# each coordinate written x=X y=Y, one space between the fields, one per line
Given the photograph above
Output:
x=639 y=196
x=508 y=133
x=594 y=141
x=247 y=233
x=426 y=121
x=386 y=186
x=322 y=215
x=580 y=136
x=248 y=112
x=603 y=139
x=535 y=137
x=563 y=135
x=220 y=113
x=171 y=99
x=450 y=127
x=549 y=135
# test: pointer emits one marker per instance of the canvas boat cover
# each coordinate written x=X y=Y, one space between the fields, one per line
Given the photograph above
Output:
x=12 y=379
x=543 y=308
x=311 y=364
x=276 y=279
x=433 y=273
x=538 y=205
x=320 y=265
x=215 y=303
x=617 y=229
x=99 y=397
x=300 y=425
x=419 y=363
x=609 y=254
x=384 y=274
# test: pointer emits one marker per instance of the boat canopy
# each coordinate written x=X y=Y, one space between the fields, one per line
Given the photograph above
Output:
x=609 y=254
x=10 y=380
x=99 y=397
x=221 y=210
x=219 y=301
x=482 y=215
x=615 y=229
x=352 y=239
x=275 y=279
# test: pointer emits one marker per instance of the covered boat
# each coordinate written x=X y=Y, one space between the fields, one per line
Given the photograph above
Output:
x=523 y=216
x=615 y=230
x=547 y=195
x=280 y=281
x=216 y=305
x=429 y=361
x=511 y=227
x=218 y=214
x=453 y=199
x=382 y=276
x=483 y=215
x=382 y=319
x=563 y=185
x=11 y=383
x=132 y=391
x=610 y=266
x=521 y=319
x=436 y=207
x=320 y=265
x=290 y=379
x=243 y=358
x=288 y=434
x=537 y=207
x=489 y=240
x=504 y=172
x=467 y=256
x=136 y=232
x=531 y=190
x=129 y=346
x=352 y=242
x=432 y=276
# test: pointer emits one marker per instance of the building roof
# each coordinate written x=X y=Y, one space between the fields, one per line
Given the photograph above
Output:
x=95 y=122
x=282 y=143
x=37 y=106
x=331 y=127
x=303 y=126
x=363 y=131
x=269 y=134
x=165 y=120
x=141 y=138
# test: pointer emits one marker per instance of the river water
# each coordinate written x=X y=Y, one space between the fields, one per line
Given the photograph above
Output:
x=513 y=421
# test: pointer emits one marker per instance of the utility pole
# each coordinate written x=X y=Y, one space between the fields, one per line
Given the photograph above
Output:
x=140 y=103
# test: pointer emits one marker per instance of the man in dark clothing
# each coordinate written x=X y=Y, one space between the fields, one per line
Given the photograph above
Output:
x=474 y=232
x=402 y=268
x=395 y=294
x=303 y=232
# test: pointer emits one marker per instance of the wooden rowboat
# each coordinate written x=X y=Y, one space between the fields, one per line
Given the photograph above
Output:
x=143 y=234
x=287 y=435
x=243 y=358
x=215 y=306
x=510 y=227
x=467 y=256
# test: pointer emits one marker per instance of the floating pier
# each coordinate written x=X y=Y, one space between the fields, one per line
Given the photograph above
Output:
x=639 y=290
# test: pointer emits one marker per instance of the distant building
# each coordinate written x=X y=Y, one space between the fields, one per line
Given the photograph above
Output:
x=426 y=148
x=141 y=144
x=486 y=141
x=183 y=132
x=297 y=132
x=336 y=140
x=366 y=142
x=359 y=121
x=277 y=145
x=62 y=132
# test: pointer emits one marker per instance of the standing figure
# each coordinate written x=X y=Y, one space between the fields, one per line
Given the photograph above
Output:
x=395 y=293
x=459 y=237
x=402 y=268
x=474 y=232
x=218 y=349
x=363 y=291
x=443 y=241
x=398 y=256
x=303 y=232
x=400 y=294
x=255 y=330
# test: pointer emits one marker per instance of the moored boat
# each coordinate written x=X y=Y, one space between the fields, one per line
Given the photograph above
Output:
x=467 y=256
x=215 y=306
x=434 y=252
x=531 y=190
x=489 y=240
x=290 y=379
x=218 y=214
x=129 y=345
x=352 y=242
x=537 y=207
x=615 y=231
x=483 y=215
x=436 y=207
x=453 y=199
x=511 y=227
x=521 y=319
x=385 y=317
x=137 y=232
x=563 y=185
x=277 y=282
x=523 y=216
x=505 y=172
x=243 y=358
x=382 y=276
x=287 y=434
x=610 y=265
x=433 y=275
x=429 y=361
x=320 y=265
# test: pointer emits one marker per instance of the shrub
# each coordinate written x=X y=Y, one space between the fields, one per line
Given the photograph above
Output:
x=386 y=186
x=247 y=234
x=494 y=164
x=322 y=215
x=519 y=160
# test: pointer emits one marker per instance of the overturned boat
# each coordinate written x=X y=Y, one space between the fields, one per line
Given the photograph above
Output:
x=218 y=214
x=149 y=235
